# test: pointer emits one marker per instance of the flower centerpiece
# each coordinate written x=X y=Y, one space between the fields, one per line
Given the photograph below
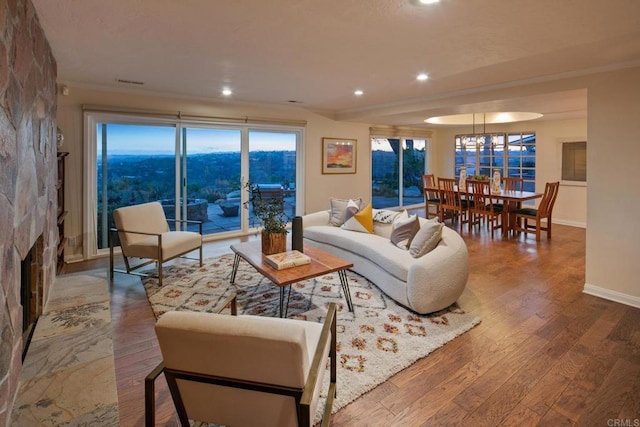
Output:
x=269 y=209
x=480 y=177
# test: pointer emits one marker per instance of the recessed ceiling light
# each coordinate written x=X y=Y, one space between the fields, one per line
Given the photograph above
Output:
x=226 y=91
x=358 y=93
x=428 y=1
x=422 y=77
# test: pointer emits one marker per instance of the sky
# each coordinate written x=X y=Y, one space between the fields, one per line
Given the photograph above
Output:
x=136 y=139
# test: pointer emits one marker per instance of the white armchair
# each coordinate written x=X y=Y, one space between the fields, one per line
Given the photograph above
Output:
x=144 y=233
x=244 y=370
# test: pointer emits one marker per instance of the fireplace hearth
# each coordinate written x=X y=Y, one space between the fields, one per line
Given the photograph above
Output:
x=31 y=292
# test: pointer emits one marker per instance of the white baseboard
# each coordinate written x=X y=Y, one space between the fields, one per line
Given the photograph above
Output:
x=570 y=223
x=73 y=258
x=596 y=291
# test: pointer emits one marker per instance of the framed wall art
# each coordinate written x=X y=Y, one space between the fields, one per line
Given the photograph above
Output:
x=338 y=155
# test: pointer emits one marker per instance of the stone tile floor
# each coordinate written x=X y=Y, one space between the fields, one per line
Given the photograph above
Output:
x=68 y=374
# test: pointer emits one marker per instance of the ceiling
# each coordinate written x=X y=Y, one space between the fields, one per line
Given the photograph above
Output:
x=316 y=53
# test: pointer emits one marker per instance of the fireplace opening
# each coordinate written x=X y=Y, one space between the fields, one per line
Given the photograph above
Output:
x=31 y=292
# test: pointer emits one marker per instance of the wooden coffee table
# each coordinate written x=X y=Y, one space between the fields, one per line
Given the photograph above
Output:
x=321 y=263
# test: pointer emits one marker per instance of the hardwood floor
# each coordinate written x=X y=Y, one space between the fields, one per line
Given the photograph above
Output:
x=544 y=354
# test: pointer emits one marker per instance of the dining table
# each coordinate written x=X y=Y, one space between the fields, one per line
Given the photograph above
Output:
x=510 y=199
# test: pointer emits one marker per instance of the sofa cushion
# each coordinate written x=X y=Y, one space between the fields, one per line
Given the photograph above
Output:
x=339 y=209
x=427 y=238
x=361 y=221
x=404 y=231
x=393 y=260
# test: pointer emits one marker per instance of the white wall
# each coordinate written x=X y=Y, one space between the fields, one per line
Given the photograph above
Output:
x=571 y=205
x=318 y=187
x=613 y=207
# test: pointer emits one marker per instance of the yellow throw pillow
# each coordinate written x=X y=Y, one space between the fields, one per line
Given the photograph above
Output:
x=362 y=221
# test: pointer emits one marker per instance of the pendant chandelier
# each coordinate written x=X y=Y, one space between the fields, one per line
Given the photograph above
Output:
x=480 y=139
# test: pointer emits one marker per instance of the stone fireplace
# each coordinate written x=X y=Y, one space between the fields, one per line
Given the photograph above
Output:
x=28 y=176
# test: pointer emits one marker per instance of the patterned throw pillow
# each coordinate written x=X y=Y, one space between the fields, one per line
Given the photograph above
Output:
x=404 y=230
x=384 y=216
x=339 y=208
x=361 y=221
x=427 y=238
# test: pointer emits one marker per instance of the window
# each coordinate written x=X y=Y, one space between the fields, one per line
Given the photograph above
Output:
x=521 y=158
x=512 y=154
x=397 y=166
x=195 y=169
x=482 y=156
x=574 y=161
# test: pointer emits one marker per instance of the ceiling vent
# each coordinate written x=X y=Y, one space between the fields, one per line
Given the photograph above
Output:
x=129 y=82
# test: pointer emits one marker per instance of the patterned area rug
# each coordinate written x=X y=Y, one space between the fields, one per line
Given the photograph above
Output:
x=376 y=341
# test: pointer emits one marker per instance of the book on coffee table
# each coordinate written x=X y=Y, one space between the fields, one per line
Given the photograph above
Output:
x=288 y=259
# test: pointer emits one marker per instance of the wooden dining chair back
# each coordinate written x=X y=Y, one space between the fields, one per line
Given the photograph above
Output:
x=431 y=196
x=543 y=212
x=481 y=206
x=513 y=183
x=450 y=201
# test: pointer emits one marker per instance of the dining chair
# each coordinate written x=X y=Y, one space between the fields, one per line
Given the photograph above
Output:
x=513 y=183
x=245 y=370
x=510 y=184
x=451 y=204
x=543 y=212
x=481 y=206
x=431 y=196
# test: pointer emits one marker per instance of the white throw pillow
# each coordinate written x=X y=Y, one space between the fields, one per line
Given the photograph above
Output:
x=427 y=238
x=404 y=230
x=339 y=209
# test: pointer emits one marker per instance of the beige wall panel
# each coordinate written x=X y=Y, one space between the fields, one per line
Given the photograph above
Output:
x=613 y=235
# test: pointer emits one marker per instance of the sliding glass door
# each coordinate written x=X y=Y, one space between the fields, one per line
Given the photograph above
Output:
x=195 y=170
x=397 y=166
x=272 y=166
x=211 y=178
x=134 y=164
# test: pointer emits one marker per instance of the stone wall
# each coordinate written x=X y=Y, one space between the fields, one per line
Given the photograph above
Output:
x=28 y=174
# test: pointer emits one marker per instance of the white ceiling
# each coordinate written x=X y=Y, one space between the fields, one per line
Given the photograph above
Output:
x=317 y=52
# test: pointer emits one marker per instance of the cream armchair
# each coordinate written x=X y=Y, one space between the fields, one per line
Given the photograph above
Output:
x=244 y=370
x=144 y=233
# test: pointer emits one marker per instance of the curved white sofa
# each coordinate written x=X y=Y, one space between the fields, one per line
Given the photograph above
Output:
x=425 y=285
